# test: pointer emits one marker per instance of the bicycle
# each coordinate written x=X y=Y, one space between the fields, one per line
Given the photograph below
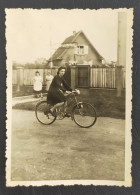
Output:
x=82 y=113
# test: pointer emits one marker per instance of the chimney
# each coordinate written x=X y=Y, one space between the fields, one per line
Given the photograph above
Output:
x=74 y=33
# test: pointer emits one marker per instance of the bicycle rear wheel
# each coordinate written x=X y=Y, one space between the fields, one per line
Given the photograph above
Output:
x=84 y=115
x=43 y=115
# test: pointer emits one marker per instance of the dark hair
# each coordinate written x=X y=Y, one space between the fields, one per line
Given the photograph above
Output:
x=37 y=72
x=60 y=68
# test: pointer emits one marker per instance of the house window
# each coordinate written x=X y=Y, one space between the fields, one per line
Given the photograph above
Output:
x=81 y=50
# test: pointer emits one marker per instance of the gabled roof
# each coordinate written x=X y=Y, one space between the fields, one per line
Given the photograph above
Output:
x=72 y=38
x=58 y=54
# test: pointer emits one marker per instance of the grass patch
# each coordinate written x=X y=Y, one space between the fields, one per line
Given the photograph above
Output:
x=26 y=106
x=105 y=102
x=25 y=91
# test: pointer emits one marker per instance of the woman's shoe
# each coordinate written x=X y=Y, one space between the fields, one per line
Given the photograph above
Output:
x=47 y=110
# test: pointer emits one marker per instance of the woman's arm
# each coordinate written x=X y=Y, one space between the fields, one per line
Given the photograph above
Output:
x=67 y=87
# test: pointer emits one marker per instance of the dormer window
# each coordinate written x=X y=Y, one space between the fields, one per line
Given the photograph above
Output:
x=81 y=49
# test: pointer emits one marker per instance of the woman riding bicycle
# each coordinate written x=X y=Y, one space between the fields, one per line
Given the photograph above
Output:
x=83 y=114
x=58 y=89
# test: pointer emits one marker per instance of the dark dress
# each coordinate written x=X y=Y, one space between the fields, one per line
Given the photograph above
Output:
x=56 y=90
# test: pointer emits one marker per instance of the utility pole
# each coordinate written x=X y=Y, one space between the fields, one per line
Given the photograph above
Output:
x=121 y=51
x=51 y=63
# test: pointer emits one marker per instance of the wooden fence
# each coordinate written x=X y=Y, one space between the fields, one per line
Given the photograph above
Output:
x=27 y=75
x=104 y=77
x=99 y=77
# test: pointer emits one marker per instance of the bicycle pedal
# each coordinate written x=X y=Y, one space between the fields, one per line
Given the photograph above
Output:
x=67 y=115
x=60 y=115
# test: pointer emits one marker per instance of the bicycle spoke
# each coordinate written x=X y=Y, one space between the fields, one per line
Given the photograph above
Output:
x=43 y=115
x=84 y=115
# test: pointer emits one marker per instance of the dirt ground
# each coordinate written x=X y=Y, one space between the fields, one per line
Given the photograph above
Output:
x=64 y=151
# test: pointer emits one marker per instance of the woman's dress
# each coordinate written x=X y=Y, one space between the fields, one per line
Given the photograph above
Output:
x=57 y=89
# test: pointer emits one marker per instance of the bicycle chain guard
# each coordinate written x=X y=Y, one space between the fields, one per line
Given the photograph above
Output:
x=60 y=115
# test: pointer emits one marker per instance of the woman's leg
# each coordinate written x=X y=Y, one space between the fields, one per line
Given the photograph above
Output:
x=57 y=106
x=38 y=94
x=41 y=95
x=35 y=92
x=63 y=101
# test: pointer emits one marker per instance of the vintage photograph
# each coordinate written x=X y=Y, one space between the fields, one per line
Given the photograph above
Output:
x=69 y=96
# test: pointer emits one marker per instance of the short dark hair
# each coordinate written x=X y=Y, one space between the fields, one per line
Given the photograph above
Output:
x=60 y=68
x=37 y=72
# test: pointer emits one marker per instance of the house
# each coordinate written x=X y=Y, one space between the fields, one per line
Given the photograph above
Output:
x=79 y=56
x=76 y=50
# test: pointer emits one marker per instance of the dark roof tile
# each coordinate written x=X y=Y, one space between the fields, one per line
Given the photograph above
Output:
x=57 y=53
x=71 y=38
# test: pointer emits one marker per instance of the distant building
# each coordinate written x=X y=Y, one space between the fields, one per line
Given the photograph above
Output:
x=76 y=50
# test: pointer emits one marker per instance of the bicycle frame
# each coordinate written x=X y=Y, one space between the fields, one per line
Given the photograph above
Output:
x=74 y=97
x=73 y=94
x=77 y=109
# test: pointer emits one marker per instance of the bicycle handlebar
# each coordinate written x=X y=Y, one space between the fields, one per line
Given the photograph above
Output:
x=76 y=92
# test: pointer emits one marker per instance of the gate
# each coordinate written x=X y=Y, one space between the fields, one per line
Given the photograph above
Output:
x=82 y=75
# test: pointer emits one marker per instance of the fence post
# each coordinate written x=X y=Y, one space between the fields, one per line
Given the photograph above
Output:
x=19 y=80
x=73 y=77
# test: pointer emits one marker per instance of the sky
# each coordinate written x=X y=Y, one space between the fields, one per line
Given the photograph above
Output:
x=33 y=34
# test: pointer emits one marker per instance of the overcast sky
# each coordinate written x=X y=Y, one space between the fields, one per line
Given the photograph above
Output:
x=33 y=34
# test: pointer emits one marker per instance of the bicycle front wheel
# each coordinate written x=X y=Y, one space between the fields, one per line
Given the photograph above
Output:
x=84 y=115
x=43 y=115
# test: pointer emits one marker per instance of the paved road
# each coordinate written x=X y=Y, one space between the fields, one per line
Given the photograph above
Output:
x=65 y=151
